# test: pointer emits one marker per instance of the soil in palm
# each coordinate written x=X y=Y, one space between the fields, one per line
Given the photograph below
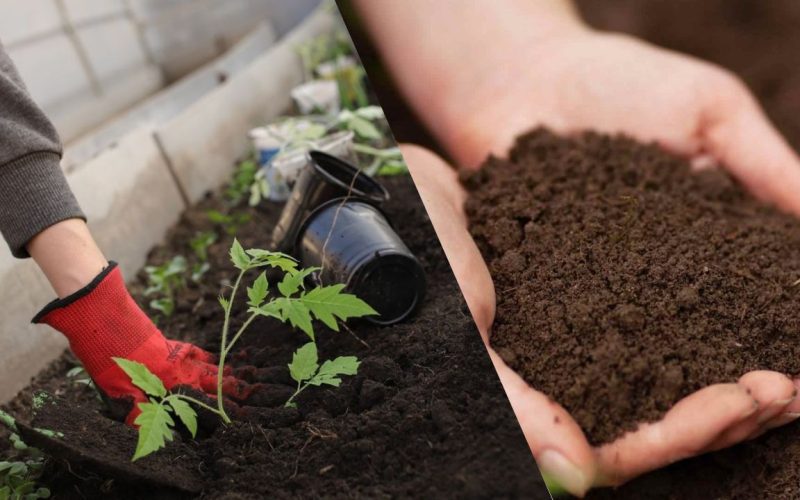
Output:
x=625 y=282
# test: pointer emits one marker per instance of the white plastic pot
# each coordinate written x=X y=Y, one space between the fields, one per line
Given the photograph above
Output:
x=291 y=163
x=266 y=144
x=317 y=96
x=328 y=70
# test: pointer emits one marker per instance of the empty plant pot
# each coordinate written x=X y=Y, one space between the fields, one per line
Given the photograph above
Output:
x=317 y=96
x=353 y=243
x=325 y=177
x=290 y=165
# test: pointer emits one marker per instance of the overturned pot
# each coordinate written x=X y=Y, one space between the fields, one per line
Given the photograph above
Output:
x=325 y=177
x=352 y=242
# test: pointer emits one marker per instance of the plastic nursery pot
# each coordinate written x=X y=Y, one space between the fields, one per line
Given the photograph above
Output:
x=267 y=147
x=326 y=177
x=317 y=96
x=353 y=243
x=338 y=144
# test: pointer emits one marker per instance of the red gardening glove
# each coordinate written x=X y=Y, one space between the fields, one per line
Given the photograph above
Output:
x=102 y=321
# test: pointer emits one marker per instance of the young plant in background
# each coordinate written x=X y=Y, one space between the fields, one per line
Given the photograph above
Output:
x=19 y=474
x=322 y=50
x=244 y=177
x=164 y=281
x=199 y=245
x=230 y=222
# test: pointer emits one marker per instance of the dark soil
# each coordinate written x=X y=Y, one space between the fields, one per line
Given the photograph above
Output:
x=425 y=417
x=625 y=281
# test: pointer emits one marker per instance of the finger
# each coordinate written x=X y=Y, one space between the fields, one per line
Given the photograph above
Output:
x=197 y=354
x=232 y=387
x=686 y=430
x=563 y=454
x=740 y=135
x=790 y=413
x=443 y=198
x=772 y=392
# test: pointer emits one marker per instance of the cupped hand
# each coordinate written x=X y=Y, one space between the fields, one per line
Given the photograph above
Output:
x=715 y=417
x=588 y=80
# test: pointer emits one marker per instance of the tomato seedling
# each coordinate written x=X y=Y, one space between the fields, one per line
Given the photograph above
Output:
x=306 y=370
x=295 y=305
x=155 y=423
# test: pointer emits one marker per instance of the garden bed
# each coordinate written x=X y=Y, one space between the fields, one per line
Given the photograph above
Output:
x=625 y=282
x=424 y=417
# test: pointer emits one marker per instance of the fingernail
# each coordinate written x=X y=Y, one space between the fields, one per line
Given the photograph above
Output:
x=774 y=410
x=782 y=420
x=560 y=473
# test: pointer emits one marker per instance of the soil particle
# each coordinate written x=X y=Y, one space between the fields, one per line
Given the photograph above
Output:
x=644 y=281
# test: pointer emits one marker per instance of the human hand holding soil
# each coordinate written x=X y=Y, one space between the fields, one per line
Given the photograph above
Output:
x=535 y=63
x=712 y=418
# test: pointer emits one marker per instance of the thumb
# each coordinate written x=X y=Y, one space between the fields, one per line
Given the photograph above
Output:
x=443 y=198
x=565 y=458
x=739 y=134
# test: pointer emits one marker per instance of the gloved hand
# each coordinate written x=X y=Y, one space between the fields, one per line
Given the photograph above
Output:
x=102 y=321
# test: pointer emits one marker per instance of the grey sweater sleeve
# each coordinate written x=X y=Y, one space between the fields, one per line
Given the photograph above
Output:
x=34 y=193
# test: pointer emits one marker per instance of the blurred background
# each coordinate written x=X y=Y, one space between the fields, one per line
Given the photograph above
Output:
x=85 y=61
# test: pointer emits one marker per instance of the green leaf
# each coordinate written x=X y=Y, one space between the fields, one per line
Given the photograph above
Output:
x=279 y=260
x=328 y=303
x=304 y=362
x=165 y=306
x=296 y=313
x=217 y=217
x=239 y=257
x=292 y=281
x=258 y=292
x=330 y=370
x=199 y=269
x=176 y=266
x=270 y=309
x=363 y=128
x=186 y=413
x=225 y=303
x=17 y=442
x=8 y=421
x=142 y=377
x=155 y=429
x=393 y=168
x=370 y=112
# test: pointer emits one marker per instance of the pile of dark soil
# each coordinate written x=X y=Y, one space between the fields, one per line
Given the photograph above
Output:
x=425 y=417
x=625 y=282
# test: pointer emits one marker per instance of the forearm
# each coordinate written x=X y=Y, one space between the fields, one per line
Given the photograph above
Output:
x=67 y=255
x=33 y=191
x=444 y=53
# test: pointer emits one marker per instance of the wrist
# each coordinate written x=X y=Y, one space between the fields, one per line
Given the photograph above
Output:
x=516 y=47
x=67 y=255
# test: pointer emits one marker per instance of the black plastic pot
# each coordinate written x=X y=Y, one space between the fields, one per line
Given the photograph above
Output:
x=353 y=243
x=325 y=177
